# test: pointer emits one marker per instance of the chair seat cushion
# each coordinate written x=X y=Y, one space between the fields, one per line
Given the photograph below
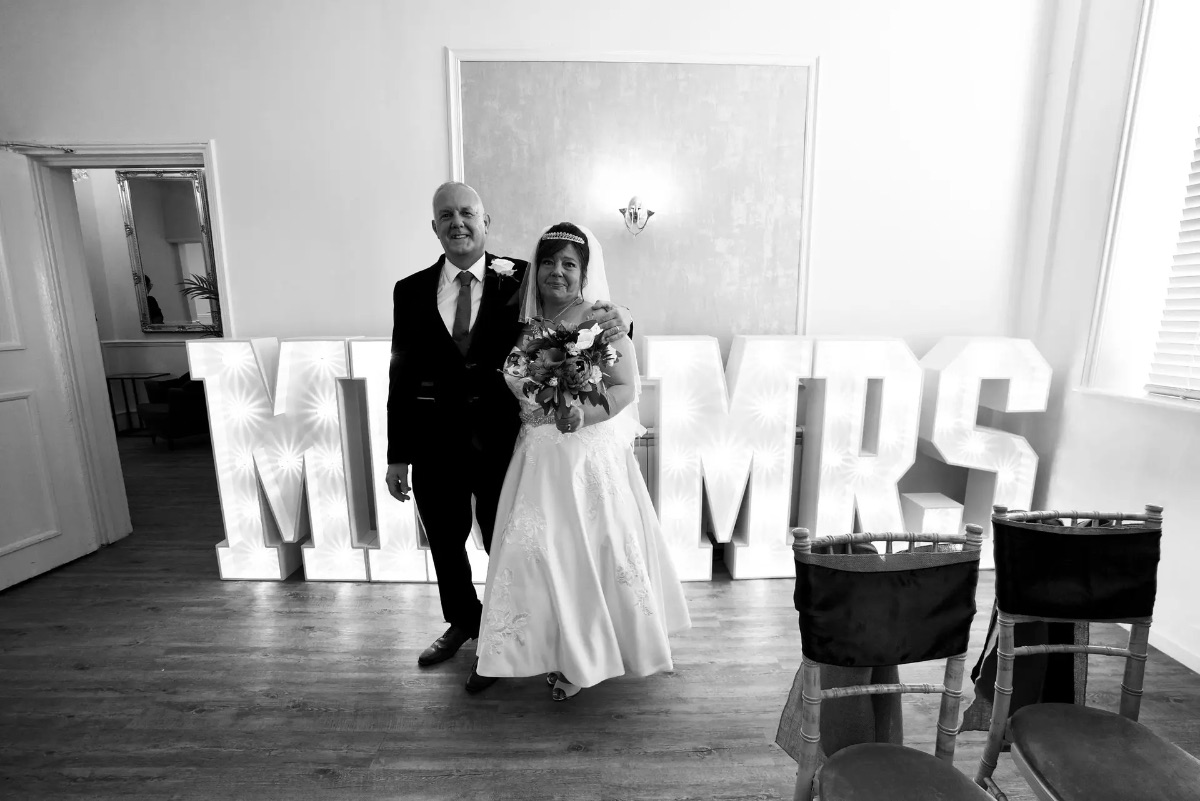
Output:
x=894 y=772
x=1080 y=752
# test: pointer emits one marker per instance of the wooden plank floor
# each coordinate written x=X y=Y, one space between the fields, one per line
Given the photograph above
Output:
x=136 y=673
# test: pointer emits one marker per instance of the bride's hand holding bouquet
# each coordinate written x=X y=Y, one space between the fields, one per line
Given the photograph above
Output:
x=560 y=367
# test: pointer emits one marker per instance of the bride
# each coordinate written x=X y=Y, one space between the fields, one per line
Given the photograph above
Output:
x=580 y=585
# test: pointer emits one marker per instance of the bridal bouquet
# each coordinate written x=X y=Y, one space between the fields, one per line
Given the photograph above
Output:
x=560 y=365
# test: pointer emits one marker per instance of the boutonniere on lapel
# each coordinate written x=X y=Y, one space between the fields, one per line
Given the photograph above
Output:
x=503 y=268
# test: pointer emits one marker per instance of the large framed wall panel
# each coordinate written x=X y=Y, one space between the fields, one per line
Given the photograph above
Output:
x=721 y=152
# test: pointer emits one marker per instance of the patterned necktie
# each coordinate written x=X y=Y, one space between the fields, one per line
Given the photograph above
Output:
x=462 y=313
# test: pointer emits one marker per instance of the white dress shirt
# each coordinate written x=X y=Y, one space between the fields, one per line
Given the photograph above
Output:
x=447 y=295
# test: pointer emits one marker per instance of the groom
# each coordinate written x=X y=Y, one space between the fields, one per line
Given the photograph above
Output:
x=450 y=415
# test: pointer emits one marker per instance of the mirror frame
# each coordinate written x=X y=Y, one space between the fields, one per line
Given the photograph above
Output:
x=199 y=188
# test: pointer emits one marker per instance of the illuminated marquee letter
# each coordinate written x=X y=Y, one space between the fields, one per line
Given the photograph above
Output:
x=397 y=555
x=1003 y=466
x=843 y=470
x=726 y=438
x=930 y=513
x=276 y=424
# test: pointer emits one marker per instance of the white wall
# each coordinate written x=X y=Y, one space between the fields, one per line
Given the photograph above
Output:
x=330 y=121
x=94 y=243
x=1121 y=453
x=1100 y=450
x=1060 y=288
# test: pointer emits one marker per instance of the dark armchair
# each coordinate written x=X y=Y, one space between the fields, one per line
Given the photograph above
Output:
x=176 y=408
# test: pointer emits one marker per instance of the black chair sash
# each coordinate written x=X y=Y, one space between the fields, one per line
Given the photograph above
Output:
x=1073 y=573
x=866 y=610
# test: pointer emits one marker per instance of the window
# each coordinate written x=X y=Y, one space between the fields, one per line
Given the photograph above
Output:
x=1145 y=338
x=1175 y=368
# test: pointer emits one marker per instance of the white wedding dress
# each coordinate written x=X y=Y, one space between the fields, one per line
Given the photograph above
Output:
x=579 y=579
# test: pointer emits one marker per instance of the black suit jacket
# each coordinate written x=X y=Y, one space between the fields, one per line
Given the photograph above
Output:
x=438 y=400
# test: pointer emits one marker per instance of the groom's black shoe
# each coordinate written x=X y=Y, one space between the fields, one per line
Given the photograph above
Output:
x=445 y=646
x=475 y=682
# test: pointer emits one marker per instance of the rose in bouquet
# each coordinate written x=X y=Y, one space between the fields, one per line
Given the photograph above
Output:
x=560 y=365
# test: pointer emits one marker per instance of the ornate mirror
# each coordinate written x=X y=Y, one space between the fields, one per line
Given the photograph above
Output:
x=170 y=250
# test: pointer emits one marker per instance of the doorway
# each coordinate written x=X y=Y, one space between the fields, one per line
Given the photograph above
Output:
x=90 y=401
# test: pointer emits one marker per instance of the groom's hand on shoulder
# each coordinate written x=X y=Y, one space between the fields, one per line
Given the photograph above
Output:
x=614 y=320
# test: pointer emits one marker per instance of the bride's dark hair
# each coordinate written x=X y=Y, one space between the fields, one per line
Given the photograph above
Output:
x=556 y=239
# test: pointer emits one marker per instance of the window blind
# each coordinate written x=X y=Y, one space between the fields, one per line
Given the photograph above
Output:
x=1175 y=368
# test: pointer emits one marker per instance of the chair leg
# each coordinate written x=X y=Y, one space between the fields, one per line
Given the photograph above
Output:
x=947 y=726
x=810 y=730
x=994 y=790
x=1135 y=670
x=1000 y=703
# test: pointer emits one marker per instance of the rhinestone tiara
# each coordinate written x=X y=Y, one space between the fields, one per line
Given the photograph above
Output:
x=564 y=235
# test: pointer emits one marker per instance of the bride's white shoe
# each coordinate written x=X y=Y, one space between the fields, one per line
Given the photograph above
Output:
x=564 y=689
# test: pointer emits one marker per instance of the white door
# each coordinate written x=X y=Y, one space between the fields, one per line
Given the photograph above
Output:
x=46 y=517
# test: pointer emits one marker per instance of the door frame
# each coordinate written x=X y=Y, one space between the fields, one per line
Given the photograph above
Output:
x=74 y=313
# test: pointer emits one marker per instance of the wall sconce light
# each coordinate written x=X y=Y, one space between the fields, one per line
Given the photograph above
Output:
x=636 y=216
